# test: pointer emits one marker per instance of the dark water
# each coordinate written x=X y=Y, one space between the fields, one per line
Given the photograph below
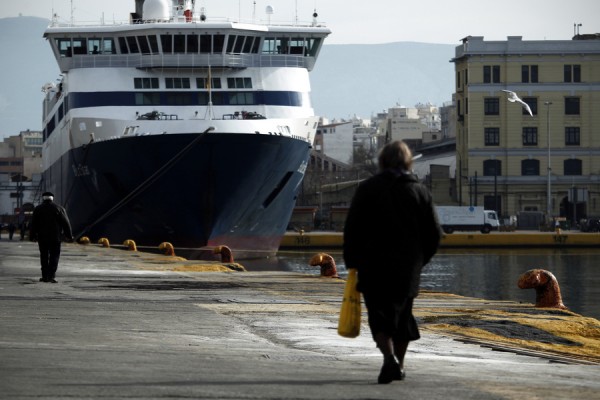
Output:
x=486 y=274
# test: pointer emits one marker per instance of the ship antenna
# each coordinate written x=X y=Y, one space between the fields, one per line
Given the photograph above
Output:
x=71 y=12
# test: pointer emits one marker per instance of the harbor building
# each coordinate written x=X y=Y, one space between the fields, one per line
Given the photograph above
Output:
x=511 y=161
x=20 y=174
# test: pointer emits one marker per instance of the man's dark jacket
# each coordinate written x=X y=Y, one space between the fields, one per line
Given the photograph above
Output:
x=50 y=223
x=391 y=232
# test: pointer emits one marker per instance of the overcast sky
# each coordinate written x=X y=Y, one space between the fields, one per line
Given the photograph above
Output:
x=371 y=21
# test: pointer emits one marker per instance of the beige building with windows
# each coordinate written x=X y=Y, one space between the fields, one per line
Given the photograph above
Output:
x=503 y=153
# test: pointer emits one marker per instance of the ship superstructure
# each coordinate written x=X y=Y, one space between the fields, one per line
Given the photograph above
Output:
x=177 y=128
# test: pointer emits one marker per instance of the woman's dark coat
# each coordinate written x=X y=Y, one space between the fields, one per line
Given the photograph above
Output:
x=391 y=232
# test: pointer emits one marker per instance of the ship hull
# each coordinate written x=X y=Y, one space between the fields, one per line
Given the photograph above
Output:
x=219 y=189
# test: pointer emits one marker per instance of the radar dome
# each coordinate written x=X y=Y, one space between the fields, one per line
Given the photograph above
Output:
x=156 y=10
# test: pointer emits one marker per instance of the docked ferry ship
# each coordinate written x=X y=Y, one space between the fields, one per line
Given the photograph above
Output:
x=175 y=127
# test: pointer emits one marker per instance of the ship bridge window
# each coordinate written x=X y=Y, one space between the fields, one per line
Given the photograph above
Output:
x=218 y=43
x=178 y=43
x=153 y=41
x=133 y=46
x=145 y=83
x=234 y=44
x=79 y=46
x=269 y=46
x=167 y=43
x=276 y=46
x=251 y=45
x=215 y=83
x=123 y=45
x=206 y=44
x=64 y=47
x=212 y=44
x=177 y=83
x=239 y=83
x=313 y=46
x=144 y=45
x=108 y=46
x=94 y=45
x=192 y=44
x=297 y=46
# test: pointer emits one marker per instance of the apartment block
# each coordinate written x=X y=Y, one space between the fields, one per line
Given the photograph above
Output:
x=511 y=161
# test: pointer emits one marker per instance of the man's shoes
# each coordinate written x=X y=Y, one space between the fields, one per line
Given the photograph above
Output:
x=52 y=280
x=390 y=371
x=43 y=280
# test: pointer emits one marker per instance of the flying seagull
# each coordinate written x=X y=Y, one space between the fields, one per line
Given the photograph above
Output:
x=512 y=97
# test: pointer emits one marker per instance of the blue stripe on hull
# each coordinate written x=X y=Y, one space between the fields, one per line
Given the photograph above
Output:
x=238 y=190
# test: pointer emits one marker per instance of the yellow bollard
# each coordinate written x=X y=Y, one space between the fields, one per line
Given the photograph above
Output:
x=130 y=245
x=104 y=242
x=167 y=248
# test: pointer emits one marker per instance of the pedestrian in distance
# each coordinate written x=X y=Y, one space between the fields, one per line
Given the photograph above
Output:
x=49 y=225
x=391 y=233
x=22 y=229
x=11 y=230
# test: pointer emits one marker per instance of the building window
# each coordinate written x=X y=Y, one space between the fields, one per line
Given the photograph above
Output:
x=491 y=106
x=491 y=74
x=530 y=167
x=492 y=168
x=532 y=102
x=572 y=166
x=572 y=73
x=530 y=136
x=529 y=73
x=571 y=105
x=177 y=83
x=491 y=202
x=145 y=83
x=572 y=136
x=492 y=136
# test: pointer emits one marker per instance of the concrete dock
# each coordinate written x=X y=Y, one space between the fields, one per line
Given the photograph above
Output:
x=121 y=324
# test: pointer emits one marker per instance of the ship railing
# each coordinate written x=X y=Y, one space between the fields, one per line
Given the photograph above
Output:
x=185 y=61
x=58 y=22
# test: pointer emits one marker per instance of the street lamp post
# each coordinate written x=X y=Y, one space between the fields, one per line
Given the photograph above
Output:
x=549 y=205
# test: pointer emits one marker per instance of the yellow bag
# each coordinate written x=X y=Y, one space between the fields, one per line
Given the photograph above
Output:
x=349 y=324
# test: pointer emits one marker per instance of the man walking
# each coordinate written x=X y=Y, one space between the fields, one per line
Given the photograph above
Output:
x=48 y=225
